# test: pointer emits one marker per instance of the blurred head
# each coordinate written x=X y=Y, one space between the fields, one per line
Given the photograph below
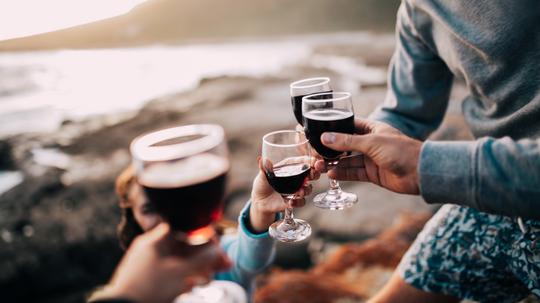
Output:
x=138 y=215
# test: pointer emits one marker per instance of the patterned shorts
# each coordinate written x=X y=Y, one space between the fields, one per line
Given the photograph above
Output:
x=474 y=255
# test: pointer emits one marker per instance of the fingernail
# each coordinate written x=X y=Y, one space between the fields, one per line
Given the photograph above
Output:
x=328 y=138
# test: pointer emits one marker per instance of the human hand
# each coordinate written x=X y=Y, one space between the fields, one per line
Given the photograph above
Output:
x=266 y=202
x=157 y=268
x=389 y=158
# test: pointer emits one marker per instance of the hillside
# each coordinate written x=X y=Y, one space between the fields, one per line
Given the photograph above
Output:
x=173 y=21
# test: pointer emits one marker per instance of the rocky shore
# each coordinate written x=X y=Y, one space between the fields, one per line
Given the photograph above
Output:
x=57 y=227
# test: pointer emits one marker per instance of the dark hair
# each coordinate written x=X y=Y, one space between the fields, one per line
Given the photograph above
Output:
x=127 y=228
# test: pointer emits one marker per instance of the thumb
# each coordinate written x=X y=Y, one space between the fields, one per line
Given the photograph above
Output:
x=160 y=233
x=346 y=142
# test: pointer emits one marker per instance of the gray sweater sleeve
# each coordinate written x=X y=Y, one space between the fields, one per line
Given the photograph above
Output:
x=499 y=176
x=419 y=83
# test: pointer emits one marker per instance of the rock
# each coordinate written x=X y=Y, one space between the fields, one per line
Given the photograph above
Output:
x=58 y=242
x=6 y=156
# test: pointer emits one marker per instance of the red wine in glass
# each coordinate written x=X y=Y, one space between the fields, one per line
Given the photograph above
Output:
x=288 y=178
x=190 y=201
x=319 y=121
x=183 y=171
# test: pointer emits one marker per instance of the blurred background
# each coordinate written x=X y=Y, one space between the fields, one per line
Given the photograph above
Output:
x=72 y=99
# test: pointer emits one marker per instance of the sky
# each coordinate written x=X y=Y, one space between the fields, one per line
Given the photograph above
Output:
x=20 y=18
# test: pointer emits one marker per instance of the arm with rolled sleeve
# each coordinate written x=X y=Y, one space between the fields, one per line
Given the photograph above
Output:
x=251 y=253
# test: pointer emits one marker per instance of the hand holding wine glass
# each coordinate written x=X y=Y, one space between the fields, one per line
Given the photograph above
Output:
x=183 y=172
x=389 y=158
x=286 y=164
x=157 y=268
x=329 y=112
x=266 y=202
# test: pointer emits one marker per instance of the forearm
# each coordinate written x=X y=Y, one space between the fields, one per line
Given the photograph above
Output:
x=499 y=176
x=251 y=252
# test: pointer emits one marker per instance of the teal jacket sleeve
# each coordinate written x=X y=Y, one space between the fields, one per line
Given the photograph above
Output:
x=419 y=83
x=251 y=253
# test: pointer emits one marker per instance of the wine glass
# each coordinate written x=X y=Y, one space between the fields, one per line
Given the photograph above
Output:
x=305 y=87
x=215 y=292
x=183 y=171
x=329 y=112
x=286 y=163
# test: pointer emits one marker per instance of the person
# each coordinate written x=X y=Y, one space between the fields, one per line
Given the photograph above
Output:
x=251 y=251
x=483 y=242
x=157 y=268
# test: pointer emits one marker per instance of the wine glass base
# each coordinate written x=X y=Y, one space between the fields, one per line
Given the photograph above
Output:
x=290 y=233
x=331 y=201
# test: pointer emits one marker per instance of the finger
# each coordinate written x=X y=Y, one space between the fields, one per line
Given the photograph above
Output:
x=356 y=161
x=265 y=165
x=300 y=193
x=223 y=262
x=320 y=166
x=209 y=256
x=346 y=142
x=372 y=172
x=348 y=174
x=313 y=175
x=161 y=237
x=314 y=154
x=160 y=232
x=364 y=126
x=308 y=189
x=298 y=202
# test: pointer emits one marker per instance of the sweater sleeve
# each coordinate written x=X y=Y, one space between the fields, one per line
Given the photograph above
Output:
x=500 y=176
x=251 y=253
x=419 y=83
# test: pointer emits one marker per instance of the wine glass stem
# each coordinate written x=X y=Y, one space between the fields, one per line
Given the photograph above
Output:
x=334 y=184
x=289 y=216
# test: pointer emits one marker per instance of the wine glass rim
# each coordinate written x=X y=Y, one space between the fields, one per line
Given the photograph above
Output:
x=298 y=88
x=142 y=146
x=265 y=138
x=298 y=84
x=340 y=96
